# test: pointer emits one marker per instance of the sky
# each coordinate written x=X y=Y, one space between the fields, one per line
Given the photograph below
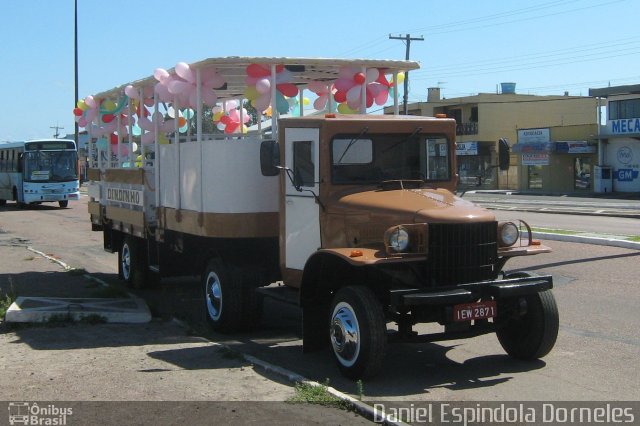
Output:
x=470 y=46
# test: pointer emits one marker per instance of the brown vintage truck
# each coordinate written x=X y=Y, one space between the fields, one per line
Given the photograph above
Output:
x=356 y=214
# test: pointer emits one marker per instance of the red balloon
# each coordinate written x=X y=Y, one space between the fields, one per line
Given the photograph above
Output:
x=107 y=118
x=77 y=112
x=359 y=78
x=288 y=89
x=340 y=96
x=382 y=79
x=257 y=70
x=113 y=138
x=226 y=120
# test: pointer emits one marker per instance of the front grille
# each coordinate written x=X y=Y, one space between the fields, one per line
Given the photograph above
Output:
x=461 y=253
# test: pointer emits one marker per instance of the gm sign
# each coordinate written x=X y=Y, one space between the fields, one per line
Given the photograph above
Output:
x=626 y=175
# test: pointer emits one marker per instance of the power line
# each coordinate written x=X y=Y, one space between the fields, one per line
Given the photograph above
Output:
x=407 y=39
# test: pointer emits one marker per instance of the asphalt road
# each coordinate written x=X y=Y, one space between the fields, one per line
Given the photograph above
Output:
x=595 y=357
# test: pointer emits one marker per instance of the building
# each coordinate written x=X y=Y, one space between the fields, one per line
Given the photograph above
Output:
x=485 y=118
x=557 y=159
x=619 y=136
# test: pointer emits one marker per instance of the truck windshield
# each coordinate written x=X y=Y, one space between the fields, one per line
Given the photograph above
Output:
x=50 y=166
x=374 y=158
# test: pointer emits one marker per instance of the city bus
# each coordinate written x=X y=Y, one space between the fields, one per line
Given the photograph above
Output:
x=39 y=171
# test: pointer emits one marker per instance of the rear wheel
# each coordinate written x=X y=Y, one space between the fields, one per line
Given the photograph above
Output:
x=231 y=302
x=130 y=263
x=357 y=331
x=63 y=203
x=532 y=335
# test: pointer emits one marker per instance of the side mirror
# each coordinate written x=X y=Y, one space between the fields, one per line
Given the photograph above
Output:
x=503 y=154
x=269 y=158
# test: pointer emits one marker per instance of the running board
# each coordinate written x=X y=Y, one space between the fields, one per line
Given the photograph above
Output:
x=281 y=293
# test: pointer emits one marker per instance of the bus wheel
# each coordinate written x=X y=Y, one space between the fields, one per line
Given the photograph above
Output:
x=358 y=332
x=63 y=203
x=130 y=263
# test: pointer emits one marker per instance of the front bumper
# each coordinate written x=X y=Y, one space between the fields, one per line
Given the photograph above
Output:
x=470 y=292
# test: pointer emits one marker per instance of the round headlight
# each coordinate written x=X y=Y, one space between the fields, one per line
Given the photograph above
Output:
x=509 y=234
x=399 y=239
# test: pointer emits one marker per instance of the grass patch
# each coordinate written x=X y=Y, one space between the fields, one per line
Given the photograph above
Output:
x=5 y=302
x=556 y=231
x=57 y=320
x=635 y=238
x=310 y=394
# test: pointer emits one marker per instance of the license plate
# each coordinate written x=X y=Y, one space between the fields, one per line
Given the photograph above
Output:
x=475 y=311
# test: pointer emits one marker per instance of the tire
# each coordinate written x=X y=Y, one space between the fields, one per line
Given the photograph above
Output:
x=131 y=263
x=3 y=202
x=230 y=303
x=533 y=335
x=358 y=332
x=63 y=203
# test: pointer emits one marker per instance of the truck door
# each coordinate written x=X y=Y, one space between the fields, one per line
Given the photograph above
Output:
x=302 y=213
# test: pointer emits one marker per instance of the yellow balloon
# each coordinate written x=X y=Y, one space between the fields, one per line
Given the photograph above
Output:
x=245 y=129
x=305 y=101
x=162 y=139
x=268 y=111
x=109 y=105
x=82 y=105
x=344 y=109
x=400 y=77
x=251 y=93
x=218 y=115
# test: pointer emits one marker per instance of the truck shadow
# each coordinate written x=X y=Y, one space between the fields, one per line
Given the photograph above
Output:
x=409 y=368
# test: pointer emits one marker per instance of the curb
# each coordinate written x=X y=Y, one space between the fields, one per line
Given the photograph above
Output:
x=601 y=241
x=362 y=408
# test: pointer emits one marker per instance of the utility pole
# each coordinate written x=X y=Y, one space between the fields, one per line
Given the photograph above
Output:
x=57 y=128
x=407 y=39
x=75 y=63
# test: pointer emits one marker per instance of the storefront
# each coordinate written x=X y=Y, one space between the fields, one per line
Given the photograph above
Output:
x=475 y=169
x=549 y=164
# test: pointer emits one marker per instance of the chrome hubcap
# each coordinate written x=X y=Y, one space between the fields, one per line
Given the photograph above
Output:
x=345 y=334
x=214 y=296
x=126 y=262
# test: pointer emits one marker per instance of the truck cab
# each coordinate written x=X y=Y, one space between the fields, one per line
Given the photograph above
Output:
x=371 y=232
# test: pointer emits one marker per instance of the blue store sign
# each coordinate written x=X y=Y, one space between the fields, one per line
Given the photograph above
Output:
x=626 y=175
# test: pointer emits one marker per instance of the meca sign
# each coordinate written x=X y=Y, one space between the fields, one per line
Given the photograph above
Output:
x=127 y=196
x=629 y=125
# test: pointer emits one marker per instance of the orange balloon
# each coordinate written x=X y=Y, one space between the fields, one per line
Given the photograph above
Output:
x=182 y=121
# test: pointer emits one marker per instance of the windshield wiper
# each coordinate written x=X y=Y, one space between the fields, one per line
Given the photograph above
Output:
x=351 y=142
x=407 y=139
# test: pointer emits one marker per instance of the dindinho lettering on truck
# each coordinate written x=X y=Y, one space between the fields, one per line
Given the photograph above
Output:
x=355 y=213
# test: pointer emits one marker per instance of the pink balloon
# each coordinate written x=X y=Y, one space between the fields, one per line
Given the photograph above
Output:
x=145 y=124
x=177 y=87
x=132 y=92
x=184 y=71
x=263 y=85
x=161 y=74
x=262 y=103
x=82 y=122
x=353 y=97
x=147 y=138
x=90 y=101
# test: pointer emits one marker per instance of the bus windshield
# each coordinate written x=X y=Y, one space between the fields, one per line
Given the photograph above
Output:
x=50 y=166
x=373 y=158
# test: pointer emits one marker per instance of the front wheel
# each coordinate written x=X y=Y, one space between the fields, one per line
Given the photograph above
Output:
x=358 y=332
x=534 y=334
x=63 y=203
